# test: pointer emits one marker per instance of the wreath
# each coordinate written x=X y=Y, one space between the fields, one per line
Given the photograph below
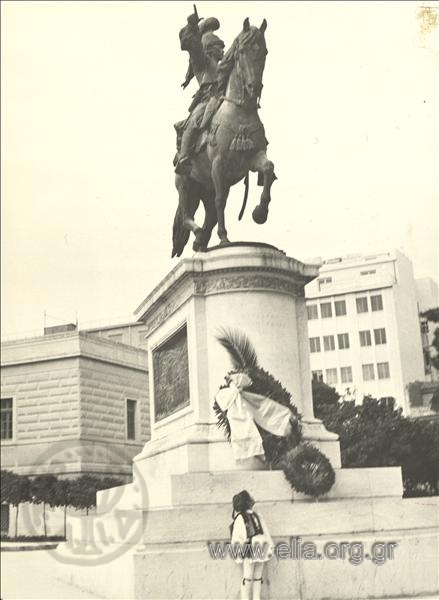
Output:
x=308 y=470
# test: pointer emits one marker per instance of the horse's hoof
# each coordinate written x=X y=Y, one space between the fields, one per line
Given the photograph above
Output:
x=259 y=214
x=199 y=247
x=225 y=243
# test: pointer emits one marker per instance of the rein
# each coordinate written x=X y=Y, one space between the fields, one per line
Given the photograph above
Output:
x=244 y=98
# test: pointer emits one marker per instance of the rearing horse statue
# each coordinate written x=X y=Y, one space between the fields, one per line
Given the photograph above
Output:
x=233 y=145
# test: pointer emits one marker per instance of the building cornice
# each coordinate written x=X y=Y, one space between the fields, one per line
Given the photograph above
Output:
x=76 y=345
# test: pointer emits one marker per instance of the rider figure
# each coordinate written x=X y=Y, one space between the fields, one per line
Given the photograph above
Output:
x=205 y=51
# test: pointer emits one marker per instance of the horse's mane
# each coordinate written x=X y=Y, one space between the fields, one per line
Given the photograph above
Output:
x=225 y=68
x=227 y=63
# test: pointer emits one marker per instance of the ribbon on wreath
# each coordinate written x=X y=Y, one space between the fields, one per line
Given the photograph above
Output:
x=244 y=410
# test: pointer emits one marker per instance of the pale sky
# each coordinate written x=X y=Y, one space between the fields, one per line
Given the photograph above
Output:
x=90 y=93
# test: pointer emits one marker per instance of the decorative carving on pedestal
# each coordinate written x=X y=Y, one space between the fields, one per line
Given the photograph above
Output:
x=218 y=282
x=171 y=375
x=247 y=281
x=167 y=307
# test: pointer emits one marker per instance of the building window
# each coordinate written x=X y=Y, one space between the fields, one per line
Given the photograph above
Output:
x=380 y=336
x=376 y=302
x=328 y=343
x=365 y=338
x=343 y=341
x=317 y=375
x=326 y=310
x=368 y=372
x=331 y=376
x=314 y=344
x=370 y=272
x=346 y=374
x=383 y=370
x=340 y=308
x=131 y=419
x=388 y=401
x=324 y=280
x=362 y=305
x=312 y=311
x=7 y=420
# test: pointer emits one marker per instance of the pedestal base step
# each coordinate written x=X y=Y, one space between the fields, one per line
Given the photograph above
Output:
x=218 y=487
x=174 y=560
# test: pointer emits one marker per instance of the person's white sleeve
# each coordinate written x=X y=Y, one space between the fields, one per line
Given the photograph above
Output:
x=239 y=533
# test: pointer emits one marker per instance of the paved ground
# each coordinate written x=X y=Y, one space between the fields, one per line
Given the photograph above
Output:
x=29 y=575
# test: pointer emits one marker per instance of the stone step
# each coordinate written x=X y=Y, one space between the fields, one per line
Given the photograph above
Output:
x=284 y=519
x=220 y=486
x=187 y=570
x=201 y=488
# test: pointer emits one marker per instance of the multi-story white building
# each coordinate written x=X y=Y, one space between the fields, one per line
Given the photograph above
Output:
x=364 y=327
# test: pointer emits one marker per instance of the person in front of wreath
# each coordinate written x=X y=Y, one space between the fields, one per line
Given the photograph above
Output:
x=250 y=534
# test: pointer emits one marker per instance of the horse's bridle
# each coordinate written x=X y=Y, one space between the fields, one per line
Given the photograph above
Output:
x=241 y=69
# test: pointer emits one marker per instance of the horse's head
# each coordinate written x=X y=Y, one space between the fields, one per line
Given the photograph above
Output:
x=250 y=54
x=247 y=55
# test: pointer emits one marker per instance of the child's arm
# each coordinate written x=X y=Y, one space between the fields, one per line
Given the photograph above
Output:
x=239 y=533
x=266 y=532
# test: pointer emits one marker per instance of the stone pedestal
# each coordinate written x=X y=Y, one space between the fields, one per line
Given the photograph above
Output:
x=253 y=288
x=153 y=543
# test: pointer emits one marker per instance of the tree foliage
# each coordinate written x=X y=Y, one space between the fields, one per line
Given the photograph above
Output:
x=432 y=315
x=83 y=490
x=42 y=491
x=324 y=397
x=48 y=489
x=376 y=434
x=14 y=490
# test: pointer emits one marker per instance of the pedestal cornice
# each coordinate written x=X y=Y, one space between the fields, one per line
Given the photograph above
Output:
x=225 y=269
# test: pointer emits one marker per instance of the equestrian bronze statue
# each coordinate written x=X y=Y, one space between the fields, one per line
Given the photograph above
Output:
x=223 y=137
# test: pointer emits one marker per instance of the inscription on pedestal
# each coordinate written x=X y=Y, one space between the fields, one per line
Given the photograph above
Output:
x=171 y=375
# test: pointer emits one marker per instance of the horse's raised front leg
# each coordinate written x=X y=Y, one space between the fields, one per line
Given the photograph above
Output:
x=221 y=194
x=261 y=164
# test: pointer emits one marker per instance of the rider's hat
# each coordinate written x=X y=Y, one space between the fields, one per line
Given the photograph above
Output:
x=209 y=24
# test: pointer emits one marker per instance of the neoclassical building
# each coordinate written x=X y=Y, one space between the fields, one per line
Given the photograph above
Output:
x=74 y=400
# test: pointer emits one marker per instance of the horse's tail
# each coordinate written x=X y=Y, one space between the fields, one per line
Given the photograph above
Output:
x=244 y=203
x=180 y=234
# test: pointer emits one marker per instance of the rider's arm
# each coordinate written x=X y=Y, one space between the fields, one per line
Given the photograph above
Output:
x=190 y=40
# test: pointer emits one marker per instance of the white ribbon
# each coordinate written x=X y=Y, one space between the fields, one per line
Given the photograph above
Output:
x=244 y=409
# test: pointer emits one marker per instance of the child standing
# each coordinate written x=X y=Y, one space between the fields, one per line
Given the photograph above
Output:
x=251 y=535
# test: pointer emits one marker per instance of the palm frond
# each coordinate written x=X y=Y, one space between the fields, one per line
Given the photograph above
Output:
x=222 y=420
x=240 y=349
